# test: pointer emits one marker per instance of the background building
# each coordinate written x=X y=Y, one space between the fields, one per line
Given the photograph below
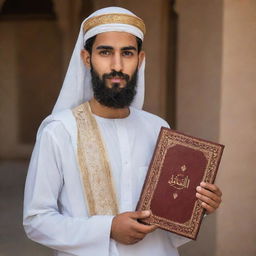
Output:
x=200 y=76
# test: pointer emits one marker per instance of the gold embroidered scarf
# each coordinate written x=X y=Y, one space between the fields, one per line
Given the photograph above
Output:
x=94 y=166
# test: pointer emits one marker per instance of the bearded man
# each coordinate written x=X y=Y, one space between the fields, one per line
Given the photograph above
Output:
x=92 y=154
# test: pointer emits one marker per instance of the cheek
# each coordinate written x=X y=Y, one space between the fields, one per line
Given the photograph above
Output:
x=130 y=69
x=101 y=66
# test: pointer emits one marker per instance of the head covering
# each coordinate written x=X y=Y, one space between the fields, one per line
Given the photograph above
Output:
x=77 y=87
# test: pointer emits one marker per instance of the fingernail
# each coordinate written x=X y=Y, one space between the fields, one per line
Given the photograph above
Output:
x=146 y=213
x=202 y=183
x=198 y=188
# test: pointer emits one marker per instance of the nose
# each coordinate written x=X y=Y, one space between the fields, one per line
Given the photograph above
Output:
x=117 y=62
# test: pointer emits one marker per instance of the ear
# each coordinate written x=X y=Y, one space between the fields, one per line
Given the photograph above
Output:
x=141 y=57
x=85 y=55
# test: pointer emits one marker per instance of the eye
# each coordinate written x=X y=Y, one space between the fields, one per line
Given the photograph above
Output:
x=127 y=53
x=105 y=52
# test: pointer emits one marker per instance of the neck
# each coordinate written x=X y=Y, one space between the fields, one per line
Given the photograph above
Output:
x=107 y=112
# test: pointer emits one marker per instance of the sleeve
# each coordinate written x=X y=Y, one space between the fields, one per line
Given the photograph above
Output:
x=178 y=240
x=161 y=123
x=42 y=219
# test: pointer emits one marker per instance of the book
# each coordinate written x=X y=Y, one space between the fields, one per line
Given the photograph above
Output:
x=179 y=163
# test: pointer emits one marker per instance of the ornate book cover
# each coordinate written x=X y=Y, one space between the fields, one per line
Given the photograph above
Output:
x=180 y=162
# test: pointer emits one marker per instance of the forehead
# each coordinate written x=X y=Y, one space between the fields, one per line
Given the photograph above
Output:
x=115 y=39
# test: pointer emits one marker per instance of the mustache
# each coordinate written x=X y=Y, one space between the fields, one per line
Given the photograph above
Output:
x=118 y=74
x=114 y=97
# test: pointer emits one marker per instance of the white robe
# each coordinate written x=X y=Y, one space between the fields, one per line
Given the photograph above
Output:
x=55 y=212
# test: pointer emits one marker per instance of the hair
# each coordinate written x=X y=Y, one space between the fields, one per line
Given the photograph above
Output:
x=89 y=44
x=114 y=97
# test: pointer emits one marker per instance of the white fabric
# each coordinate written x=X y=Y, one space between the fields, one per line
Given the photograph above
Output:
x=76 y=87
x=55 y=212
x=112 y=27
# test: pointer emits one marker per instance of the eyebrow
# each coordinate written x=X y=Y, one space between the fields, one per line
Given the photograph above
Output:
x=129 y=48
x=106 y=47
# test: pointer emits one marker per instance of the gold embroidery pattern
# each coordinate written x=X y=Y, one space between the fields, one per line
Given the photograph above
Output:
x=119 y=18
x=94 y=166
x=212 y=154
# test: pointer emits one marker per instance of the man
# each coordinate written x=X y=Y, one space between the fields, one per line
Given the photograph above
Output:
x=91 y=155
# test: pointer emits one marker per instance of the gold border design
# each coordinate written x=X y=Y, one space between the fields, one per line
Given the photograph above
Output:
x=212 y=153
x=94 y=165
x=119 y=18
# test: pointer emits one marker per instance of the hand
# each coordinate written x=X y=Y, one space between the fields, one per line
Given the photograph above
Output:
x=127 y=230
x=210 y=195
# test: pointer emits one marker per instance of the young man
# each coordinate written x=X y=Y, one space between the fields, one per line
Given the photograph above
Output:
x=92 y=154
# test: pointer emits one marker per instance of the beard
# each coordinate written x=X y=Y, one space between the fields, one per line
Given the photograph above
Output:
x=114 y=97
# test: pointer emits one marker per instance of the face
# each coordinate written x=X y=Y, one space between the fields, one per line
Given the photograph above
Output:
x=114 y=62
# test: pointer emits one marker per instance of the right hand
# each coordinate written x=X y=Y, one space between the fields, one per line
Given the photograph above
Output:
x=126 y=229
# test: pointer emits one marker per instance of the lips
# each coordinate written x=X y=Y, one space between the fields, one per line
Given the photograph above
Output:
x=116 y=79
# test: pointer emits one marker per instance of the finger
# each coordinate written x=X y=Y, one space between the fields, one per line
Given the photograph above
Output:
x=208 y=201
x=212 y=187
x=139 y=214
x=208 y=208
x=143 y=228
x=150 y=228
x=208 y=193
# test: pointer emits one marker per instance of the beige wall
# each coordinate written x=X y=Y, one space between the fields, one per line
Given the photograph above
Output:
x=30 y=79
x=216 y=89
x=198 y=88
x=199 y=67
x=236 y=220
x=34 y=57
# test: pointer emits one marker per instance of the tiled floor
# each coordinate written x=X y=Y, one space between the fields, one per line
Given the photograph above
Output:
x=13 y=241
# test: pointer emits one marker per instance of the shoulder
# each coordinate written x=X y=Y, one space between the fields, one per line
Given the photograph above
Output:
x=57 y=124
x=53 y=127
x=150 y=118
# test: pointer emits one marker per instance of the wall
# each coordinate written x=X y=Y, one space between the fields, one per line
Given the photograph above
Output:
x=198 y=88
x=30 y=80
x=236 y=233
x=216 y=100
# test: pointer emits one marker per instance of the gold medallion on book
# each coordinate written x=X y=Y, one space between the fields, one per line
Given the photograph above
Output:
x=179 y=163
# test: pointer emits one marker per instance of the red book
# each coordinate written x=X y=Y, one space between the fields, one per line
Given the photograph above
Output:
x=179 y=163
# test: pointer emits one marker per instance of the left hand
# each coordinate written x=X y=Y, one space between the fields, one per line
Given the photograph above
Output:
x=210 y=195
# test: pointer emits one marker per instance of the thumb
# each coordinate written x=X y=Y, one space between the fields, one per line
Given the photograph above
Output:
x=141 y=214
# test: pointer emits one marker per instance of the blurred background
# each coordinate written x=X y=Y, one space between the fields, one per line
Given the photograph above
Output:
x=200 y=77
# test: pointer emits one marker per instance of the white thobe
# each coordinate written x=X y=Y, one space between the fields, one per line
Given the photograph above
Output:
x=55 y=211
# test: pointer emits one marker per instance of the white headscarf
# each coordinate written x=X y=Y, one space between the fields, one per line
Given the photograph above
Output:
x=76 y=87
